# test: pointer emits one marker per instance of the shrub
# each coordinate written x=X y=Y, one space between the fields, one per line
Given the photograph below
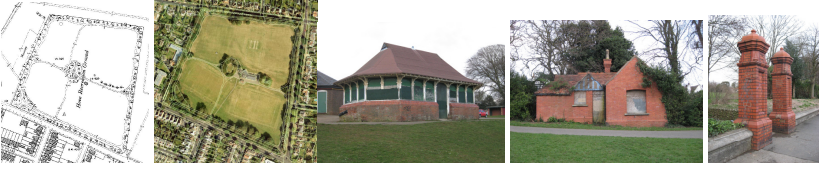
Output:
x=682 y=107
x=556 y=120
x=717 y=127
x=559 y=84
x=722 y=114
x=523 y=106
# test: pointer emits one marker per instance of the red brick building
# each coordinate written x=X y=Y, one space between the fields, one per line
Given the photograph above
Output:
x=405 y=84
x=614 y=98
x=497 y=110
x=329 y=96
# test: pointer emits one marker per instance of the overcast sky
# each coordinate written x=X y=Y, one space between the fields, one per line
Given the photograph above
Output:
x=729 y=74
x=641 y=44
x=344 y=49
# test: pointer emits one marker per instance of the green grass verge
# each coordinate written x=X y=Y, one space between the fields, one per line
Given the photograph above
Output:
x=550 y=148
x=571 y=125
x=438 y=142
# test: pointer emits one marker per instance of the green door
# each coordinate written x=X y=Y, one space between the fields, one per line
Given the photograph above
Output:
x=321 y=101
x=441 y=99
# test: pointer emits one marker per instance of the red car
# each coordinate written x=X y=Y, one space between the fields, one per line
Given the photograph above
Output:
x=483 y=113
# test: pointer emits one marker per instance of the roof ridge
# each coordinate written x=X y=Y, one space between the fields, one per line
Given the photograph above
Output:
x=621 y=69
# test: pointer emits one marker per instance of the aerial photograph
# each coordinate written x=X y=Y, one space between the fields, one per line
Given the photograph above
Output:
x=235 y=81
x=598 y=91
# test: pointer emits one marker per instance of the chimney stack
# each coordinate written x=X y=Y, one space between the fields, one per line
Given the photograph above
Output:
x=607 y=63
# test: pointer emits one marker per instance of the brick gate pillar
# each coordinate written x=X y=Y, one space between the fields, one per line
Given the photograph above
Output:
x=782 y=117
x=752 y=89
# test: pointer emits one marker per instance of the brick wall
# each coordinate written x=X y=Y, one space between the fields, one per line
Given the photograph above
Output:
x=334 y=101
x=463 y=111
x=630 y=78
x=561 y=107
x=390 y=110
x=496 y=111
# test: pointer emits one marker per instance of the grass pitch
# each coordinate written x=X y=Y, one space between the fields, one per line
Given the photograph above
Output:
x=259 y=47
x=439 y=142
x=201 y=82
x=551 y=148
x=255 y=104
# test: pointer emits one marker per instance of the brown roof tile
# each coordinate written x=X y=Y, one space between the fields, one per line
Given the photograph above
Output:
x=397 y=59
x=572 y=80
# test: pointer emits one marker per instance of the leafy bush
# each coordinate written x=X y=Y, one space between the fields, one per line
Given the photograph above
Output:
x=559 y=84
x=523 y=106
x=554 y=120
x=722 y=114
x=682 y=107
x=717 y=127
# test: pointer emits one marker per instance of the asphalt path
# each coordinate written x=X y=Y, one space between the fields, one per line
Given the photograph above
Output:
x=800 y=146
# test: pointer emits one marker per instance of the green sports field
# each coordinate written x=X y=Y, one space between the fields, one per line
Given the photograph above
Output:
x=260 y=48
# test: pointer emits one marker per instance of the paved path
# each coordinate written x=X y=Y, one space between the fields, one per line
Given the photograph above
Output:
x=618 y=133
x=801 y=146
x=334 y=119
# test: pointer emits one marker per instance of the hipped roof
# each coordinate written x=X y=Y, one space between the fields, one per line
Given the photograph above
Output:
x=402 y=60
x=324 y=80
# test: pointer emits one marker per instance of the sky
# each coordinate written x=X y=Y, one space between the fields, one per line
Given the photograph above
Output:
x=641 y=44
x=344 y=49
x=729 y=74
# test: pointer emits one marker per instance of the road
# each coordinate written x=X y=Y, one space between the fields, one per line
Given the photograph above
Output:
x=219 y=130
x=239 y=11
x=618 y=133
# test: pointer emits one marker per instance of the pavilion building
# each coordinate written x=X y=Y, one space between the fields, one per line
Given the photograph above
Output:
x=406 y=84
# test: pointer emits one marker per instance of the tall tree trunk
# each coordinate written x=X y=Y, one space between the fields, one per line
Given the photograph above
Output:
x=812 y=87
x=794 y=95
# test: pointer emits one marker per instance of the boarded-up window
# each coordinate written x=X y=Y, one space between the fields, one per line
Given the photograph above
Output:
x=385 y=91
x=430 y=91
x=418 y=89
x=636 y=102
x=346 y=93
x=461 y=94
x=453 y=94
x=406 y=90
x=361 y=91
x=580 y=98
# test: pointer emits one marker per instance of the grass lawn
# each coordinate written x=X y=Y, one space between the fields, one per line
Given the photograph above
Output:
x=550 y=148
x=258 y=105
x=497 y=116
x=797 y=104
x=438 y=142
x=201 y=82
x=593 y=127
x=259 y=47
x=255 y=104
